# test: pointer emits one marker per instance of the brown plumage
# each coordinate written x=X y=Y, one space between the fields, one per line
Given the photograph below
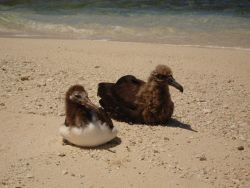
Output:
x=86 y=125
x=136 y=101
x=80 y=110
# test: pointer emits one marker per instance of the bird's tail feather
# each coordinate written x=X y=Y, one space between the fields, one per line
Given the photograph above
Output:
x=105 y=93
x=104 y=89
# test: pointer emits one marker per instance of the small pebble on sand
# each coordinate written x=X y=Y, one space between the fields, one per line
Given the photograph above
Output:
x=29 y=176
x=61 y=114
x=166 y=138
x=64 y=172
x=25 y=78
x=156 y=151
x=61 y=154
x=240 y=148
x=207 y=111
x=202 y=157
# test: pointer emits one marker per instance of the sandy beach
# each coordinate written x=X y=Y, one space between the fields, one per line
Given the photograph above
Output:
x=206 y=144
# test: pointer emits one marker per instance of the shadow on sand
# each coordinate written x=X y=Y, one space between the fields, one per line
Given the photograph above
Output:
x=176 y=123
x=172 y=122
x=117 y=141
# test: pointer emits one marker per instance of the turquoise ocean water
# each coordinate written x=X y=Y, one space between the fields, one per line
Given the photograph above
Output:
x=183 y=22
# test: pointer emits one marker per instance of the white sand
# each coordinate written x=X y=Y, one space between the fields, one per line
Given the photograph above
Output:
x=35 y=74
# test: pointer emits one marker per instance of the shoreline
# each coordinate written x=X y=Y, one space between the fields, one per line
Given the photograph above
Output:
x=26 y=36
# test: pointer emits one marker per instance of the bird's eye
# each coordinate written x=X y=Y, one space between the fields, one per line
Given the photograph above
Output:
x=78 y=96
x=161 y=77
x=170 y=76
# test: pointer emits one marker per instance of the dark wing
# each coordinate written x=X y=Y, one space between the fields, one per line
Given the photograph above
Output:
x=105 y=93
x=122 y=93
x=125 y=90
x=119 y=99
x=105 y=118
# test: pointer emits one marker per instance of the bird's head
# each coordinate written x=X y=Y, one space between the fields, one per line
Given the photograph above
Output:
x=77 y=94
x=163 y=75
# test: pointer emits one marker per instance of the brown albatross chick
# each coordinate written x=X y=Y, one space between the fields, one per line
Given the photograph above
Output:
x=136 y=101
x=85 y=123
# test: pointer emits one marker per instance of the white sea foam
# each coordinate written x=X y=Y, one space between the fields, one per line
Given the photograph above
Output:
x=209 y=46
x=195 y=30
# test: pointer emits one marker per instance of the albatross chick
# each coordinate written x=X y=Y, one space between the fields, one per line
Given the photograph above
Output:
x=85 y=124
x=136 y=101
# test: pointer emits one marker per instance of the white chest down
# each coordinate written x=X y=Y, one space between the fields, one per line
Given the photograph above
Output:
x=93 y=134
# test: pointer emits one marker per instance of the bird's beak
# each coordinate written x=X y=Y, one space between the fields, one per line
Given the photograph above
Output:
x=82 y=100
x=171 y=81
x=86 y=102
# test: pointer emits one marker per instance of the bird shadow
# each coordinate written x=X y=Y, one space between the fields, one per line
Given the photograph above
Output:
x=172 y=122
x=107 y=146
x=178 y=124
